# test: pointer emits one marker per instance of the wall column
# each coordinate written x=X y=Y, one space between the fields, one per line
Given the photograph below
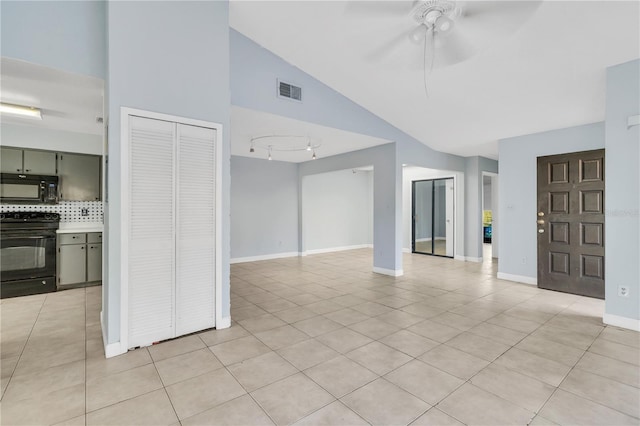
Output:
x=387 y=213
x=622 y=197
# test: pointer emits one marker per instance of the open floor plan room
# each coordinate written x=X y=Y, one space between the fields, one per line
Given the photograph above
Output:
x=323 y=340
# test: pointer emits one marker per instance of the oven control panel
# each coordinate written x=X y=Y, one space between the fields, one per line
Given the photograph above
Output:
x=9 y=217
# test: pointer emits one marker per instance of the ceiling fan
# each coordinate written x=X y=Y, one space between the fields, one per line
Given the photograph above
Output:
x=450 y=31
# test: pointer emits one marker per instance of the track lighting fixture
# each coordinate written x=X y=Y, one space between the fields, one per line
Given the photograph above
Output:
x=284 y=143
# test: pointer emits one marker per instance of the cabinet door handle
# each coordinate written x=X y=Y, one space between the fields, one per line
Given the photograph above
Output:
x=82 y=248
x=27 y=170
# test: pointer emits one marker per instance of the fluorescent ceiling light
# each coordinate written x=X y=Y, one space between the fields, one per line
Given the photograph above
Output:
x=22 y=111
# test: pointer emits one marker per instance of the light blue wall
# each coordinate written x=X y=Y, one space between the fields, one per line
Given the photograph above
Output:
x=173 y=58
x=336 y=209
x=264 y=207
x=66 y=35
x=622 y=186
x=518 y=190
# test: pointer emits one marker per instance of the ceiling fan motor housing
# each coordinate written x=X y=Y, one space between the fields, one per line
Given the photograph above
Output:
x=428 y=11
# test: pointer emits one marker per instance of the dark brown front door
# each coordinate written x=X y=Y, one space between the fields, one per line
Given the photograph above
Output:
x=570 y=223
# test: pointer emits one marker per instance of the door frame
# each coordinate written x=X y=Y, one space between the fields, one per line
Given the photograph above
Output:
x=125 y=113
x=413 y=216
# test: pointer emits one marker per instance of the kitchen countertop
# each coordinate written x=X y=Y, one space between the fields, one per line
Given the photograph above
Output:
x=79 y=227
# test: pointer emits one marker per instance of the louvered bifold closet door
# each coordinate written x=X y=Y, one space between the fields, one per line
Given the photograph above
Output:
x=151 y=231
x=196 y=229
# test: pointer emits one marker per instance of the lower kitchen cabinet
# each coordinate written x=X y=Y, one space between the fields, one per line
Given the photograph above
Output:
x=79 y=258
x=72 y=264
x=94 y=262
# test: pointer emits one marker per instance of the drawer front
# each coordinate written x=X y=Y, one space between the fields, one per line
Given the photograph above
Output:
x=72 y=238
x=94 y=237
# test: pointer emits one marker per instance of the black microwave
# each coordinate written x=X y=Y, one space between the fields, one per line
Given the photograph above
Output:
x=28 y=189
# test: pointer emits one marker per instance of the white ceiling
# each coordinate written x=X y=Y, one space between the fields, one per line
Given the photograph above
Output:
x=247 y=124
x=68 y=101
x=548 y=74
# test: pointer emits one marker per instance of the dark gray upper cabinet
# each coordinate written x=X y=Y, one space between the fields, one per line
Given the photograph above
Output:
x=15 y=160
x=79 y=177
x=10 y=160
x=39 y=162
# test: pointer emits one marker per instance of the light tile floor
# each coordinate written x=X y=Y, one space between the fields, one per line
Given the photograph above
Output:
x=323 y=340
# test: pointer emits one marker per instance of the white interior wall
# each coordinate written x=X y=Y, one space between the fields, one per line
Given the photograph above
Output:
x=410 y=174
x=50 y=139
x=337 y=210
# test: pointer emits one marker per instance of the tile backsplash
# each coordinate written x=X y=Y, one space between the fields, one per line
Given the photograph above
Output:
x=70 y=211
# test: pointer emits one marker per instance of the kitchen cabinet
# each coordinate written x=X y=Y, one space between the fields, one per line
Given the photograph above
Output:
x=28 y=161
x=79 y=177
x=10 y=160
x=79 y=258
x=39 y=162
x=94 y=257
x=72 y=265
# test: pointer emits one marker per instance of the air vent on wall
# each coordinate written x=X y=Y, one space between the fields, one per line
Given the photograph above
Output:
x=289 y=91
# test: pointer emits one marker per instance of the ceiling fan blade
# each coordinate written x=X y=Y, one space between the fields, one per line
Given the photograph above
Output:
x=495 y=17
x=452 y=49
x=378 y=9
x=387 y=49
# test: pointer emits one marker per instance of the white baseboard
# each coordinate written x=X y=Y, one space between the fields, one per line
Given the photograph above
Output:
x=406 y=250
x=391 y=272
x=110 y=349
x=225 y=322
x=333 y=249
x=622 y=322
x=518 y=278
x=264 y=257
x=467 y=258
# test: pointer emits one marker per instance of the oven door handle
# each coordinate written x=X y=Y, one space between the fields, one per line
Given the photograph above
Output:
x=25 y=236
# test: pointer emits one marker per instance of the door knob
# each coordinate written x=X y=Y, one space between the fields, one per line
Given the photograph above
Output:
x=540 y=222
x=541 y=231
x=540 y=214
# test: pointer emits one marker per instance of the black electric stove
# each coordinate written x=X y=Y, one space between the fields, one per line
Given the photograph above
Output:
x=27 y=253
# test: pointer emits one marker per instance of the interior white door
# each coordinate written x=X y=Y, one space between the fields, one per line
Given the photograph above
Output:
x=450 y=217
x=151 y=221
x=196 y=229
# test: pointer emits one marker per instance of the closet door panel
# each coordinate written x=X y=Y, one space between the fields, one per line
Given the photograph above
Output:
x=151 y=231
x=196 y=224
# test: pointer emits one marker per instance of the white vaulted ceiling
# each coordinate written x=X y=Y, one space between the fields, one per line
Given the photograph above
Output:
x=548 y=74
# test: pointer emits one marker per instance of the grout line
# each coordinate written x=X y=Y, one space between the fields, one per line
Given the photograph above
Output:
x=86 y=402
x=24 y=346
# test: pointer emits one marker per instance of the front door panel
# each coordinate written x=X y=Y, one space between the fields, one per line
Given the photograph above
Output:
x=570 y=223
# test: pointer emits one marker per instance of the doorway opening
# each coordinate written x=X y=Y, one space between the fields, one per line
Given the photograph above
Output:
x=432 y=217
x=489 y=212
